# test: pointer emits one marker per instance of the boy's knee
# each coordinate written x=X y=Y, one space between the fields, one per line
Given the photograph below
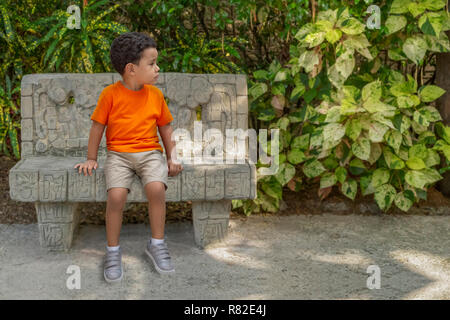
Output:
x=155 y=189
x=117 y=196
x=155 y=186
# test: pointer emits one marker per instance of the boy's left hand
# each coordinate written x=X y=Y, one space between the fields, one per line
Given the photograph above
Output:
x=174 y=168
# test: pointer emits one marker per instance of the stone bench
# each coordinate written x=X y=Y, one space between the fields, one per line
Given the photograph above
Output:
x=56 y=110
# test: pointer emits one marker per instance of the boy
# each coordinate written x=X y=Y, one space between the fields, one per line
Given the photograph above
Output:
x=132 y=109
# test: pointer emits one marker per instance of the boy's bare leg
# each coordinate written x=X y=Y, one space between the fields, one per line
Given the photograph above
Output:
x=114 y=213
x=156 y=196
x=158 y=252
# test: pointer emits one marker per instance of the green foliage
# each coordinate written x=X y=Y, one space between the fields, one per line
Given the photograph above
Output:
x=78 y=50
x=34 y=38
x=9 y=112
x=211 y=36
x=355 y=120
x=14 y=58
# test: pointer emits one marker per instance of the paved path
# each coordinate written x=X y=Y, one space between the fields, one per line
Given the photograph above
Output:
x=288 y=257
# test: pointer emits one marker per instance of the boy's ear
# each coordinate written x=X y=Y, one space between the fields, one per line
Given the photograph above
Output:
x=129 y=68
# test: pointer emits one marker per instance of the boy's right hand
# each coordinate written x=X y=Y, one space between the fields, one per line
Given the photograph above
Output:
x=87 y=166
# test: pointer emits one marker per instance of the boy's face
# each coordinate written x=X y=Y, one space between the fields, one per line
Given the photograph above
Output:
x=146 y=72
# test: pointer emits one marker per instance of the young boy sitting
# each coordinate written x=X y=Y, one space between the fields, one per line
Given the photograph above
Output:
x=133 y=109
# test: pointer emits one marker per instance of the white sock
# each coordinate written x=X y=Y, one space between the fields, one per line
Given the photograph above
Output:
x=156 y=241
x=116 y=248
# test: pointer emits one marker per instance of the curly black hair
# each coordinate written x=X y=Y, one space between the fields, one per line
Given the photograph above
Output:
x=128 y=47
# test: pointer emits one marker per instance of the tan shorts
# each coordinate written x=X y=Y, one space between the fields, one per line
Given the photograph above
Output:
x=121 y=167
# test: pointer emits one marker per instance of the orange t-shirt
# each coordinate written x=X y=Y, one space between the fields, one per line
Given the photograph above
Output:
x=132 y=117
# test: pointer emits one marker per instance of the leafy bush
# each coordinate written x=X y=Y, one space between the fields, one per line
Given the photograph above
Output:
x=78 y=50
x=46 y=44
x=212 y=36
x=349 y=120
x=12 y=61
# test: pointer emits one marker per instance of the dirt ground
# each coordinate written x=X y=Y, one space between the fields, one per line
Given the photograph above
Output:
x=324 y=256
x=295 y=203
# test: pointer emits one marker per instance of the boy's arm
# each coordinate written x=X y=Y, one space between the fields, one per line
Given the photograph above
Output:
x=95 y=136
x=166 y=134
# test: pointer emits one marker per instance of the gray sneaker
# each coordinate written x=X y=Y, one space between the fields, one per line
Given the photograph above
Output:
x=159 y=254
x=113 y=269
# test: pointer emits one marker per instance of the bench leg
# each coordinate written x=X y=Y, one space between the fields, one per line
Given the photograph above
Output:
x=57 y=223
x=210 y=220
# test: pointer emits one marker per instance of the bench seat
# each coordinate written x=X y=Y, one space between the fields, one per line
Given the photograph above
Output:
x=54 y=179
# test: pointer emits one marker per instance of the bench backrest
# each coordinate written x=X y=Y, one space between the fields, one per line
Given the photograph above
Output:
x=56 y=108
